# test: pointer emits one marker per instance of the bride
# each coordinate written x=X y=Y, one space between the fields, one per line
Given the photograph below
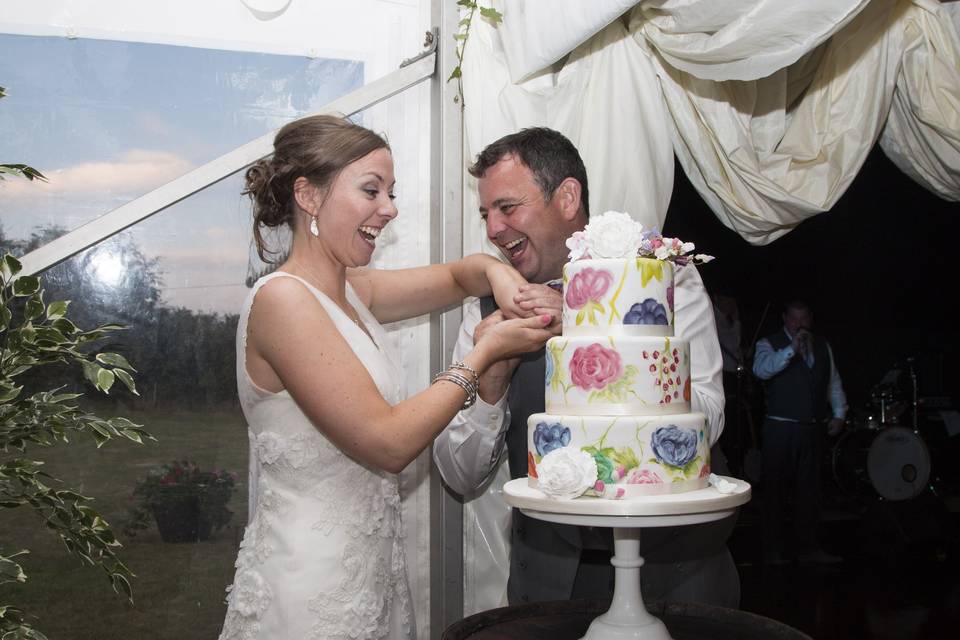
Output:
x=322 y=554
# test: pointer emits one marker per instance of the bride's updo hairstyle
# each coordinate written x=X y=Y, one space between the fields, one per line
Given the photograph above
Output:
x=315 y=147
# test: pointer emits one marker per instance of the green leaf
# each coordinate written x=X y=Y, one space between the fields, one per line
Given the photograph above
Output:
x=10 y=571
x=51 y=335
x=131 y=434
x=22 y=170
x=122 y=586
x=110 y=327
x=8 y=392
x=10 y=267
x=27 y=333
x=63 y=325
x=33 y=308
x=469 y=4
x=105 y=379
x=100 y=434
x=456 y=73
x=26 y=286
x=491 y=14
x=56 y=310
x=91 y=371
x=114 y=360
x=5 y=317
x=127 y=380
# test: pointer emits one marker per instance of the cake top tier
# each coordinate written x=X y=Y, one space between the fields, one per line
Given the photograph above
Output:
x=611 y=297
x=620 y=278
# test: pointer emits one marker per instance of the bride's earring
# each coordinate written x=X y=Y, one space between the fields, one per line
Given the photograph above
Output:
x=314 y=229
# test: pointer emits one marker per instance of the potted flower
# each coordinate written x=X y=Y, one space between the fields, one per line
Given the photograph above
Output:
x=187 y=503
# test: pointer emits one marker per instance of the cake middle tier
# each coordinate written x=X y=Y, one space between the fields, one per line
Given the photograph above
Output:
x=616 y=376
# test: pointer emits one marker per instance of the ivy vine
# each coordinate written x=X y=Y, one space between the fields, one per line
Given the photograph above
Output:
x=463 y=34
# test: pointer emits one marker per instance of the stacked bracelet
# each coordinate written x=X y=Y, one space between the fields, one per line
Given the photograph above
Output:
x=469 y=386
x=465 y=367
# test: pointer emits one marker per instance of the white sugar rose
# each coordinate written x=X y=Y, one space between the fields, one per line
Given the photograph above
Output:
x=567 y=472
x=613 y=234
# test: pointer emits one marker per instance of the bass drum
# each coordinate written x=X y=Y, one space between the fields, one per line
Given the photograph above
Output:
x=893 y=463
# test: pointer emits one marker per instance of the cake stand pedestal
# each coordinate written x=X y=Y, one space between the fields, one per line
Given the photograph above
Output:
x=628 y=618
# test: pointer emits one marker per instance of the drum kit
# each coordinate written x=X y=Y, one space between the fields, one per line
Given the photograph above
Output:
x=885 y=453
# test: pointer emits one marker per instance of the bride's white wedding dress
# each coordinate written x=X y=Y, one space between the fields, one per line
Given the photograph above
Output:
x=322 y=555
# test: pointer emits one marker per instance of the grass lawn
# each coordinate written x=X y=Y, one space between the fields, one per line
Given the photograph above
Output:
x=179 y=588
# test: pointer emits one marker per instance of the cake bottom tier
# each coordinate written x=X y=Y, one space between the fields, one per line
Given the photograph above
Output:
x=635 y=455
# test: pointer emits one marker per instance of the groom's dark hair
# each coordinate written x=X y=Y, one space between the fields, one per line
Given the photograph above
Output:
x=549 y=155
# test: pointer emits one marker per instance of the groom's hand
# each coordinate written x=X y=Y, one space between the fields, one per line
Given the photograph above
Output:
x=539 y=299
x=495 y=380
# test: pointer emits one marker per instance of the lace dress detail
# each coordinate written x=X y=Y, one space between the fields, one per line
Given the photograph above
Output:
x=322 y=555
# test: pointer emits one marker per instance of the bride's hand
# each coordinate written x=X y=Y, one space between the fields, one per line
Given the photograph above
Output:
x=505 y=282
x=513 y=337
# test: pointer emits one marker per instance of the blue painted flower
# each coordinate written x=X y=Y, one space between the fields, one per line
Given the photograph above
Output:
x=549 y=375
x=674 y=446
x=647 y=312
x=546 y=437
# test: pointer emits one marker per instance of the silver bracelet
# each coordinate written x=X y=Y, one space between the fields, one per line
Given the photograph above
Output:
x=464 y=366
x=461 y=381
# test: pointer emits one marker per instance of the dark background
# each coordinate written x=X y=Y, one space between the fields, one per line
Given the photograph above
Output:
x=877 y=270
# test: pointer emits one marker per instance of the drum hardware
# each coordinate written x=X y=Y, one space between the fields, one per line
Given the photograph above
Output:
x=894 y=462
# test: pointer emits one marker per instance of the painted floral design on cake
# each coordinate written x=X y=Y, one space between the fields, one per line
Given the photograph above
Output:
x=547 y=437
x=649 y=270
x=613 y=463
x=647 y=312
x=601 y=369
x=643 y=476
x=676 y=448
x=554 y=369
x=664 y=368
x=585 y=291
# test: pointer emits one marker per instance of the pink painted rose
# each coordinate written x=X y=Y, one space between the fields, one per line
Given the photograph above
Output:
x=646 y=476
x=705 y=471
x=588 y=284
x=595 y=367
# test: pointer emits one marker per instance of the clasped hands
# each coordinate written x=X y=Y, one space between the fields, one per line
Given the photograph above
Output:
x=528 y=300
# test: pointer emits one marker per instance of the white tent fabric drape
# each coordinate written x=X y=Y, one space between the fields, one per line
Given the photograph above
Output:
x=770 y=106
x=922 y=134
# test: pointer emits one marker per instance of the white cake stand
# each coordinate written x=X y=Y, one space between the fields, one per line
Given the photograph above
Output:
x=628 y=618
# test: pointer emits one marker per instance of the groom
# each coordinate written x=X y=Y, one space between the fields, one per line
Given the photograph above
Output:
x=533 y=195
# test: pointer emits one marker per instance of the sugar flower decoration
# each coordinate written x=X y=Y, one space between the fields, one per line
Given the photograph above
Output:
x=721 y=484
x=577 y=243
x=614 y=234
x=567 y=472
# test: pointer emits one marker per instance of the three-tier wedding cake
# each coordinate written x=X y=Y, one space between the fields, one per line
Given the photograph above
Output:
x=618 y=420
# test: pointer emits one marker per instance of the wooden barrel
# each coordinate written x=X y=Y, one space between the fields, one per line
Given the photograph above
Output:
x=569 y=619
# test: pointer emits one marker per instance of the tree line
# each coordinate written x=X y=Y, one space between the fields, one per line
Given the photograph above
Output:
x=185 y=359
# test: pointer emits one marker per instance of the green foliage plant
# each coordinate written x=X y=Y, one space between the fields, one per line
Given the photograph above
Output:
x=34 y=334
x=463 y=34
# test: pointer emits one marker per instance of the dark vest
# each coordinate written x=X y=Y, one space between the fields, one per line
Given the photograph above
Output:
x=799 y=392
